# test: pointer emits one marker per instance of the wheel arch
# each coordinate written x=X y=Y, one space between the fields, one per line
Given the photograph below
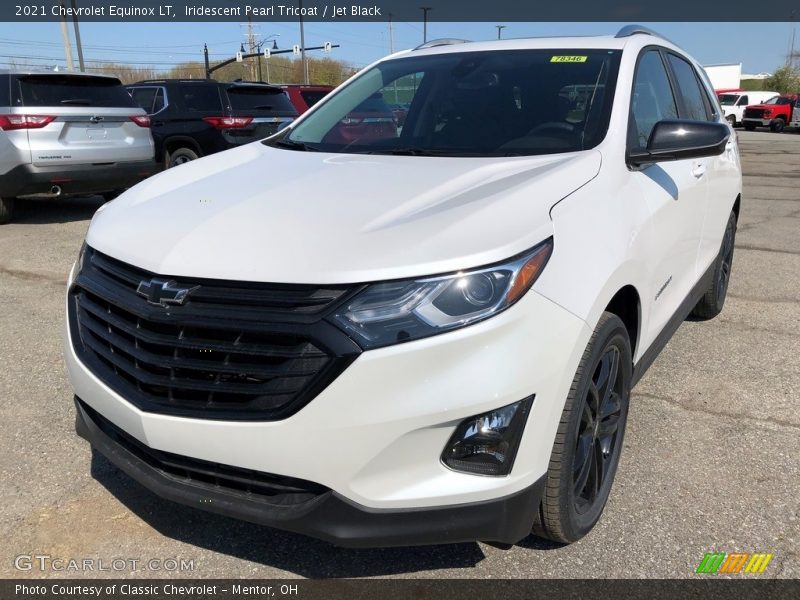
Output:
x=627 y=305
x=174 y=142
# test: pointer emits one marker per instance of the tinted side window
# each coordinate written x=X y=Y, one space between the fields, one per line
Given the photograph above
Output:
x=743 y=101
x=652 y=99
x=158 y=101
x=694 y=101
x=312 y=98
x=144 y=96
x=200 y=98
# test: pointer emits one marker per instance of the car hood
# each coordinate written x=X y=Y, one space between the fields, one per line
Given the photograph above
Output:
x=258 y=213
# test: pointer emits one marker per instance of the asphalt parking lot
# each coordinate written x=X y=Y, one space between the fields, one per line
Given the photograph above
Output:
x=711 y=460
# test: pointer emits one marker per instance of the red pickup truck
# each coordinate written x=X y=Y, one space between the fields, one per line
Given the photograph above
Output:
x=774 y=113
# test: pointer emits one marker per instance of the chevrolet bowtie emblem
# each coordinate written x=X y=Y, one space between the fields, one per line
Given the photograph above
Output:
x=162 y=292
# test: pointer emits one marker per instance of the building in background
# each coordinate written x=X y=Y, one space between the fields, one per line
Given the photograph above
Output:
x=726 y=76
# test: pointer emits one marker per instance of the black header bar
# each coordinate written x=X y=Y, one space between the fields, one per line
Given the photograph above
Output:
x=404 y=10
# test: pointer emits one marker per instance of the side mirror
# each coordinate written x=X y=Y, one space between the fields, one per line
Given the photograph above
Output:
x=677 y=139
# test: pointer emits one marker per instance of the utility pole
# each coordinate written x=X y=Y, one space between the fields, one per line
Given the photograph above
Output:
x=303 y=44
x=251 y=44
x=77 y=36
x=500 y=31
x=425 y=10
x=65 y=38
x=205 y=60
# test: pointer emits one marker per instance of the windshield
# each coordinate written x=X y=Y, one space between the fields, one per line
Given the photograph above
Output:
x=499 y=103
x=779 y=100
x=728 y=99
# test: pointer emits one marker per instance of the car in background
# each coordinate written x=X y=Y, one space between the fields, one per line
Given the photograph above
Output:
x=67 y=134
x=774 y=113
x=371 y=120
x=191 y=118
x=734 y=103
x=304 y=97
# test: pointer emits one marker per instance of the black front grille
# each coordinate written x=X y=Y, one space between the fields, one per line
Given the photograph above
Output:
x=753 y=113
x=232 y=350
x=276 y=490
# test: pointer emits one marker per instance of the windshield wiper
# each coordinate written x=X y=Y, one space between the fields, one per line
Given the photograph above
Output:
x=79 y=101
x=409 y=151
x=293 y=145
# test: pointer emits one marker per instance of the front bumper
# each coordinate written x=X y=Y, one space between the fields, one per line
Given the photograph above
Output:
x=375 y=435
x=757 y=122
x=329 y=516
x=27 y=179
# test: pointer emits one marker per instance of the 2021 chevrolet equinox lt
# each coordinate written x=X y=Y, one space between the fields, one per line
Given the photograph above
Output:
x=421 y=337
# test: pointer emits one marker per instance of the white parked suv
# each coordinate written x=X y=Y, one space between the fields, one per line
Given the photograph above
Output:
x=416 y=335
x=66 y=134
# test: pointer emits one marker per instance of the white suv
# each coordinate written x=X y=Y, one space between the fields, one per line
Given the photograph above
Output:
x=416 y=334
x=66 y=134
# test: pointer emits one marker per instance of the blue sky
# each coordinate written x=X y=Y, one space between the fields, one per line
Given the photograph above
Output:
x=759 y=46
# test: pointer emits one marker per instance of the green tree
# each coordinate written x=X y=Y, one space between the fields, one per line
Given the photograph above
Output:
x=785 y=80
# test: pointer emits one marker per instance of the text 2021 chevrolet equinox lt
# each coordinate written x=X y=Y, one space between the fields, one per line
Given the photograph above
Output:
x=424 y=336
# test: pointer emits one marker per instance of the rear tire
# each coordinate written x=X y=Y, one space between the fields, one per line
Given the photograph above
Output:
x=589 y=439
x=180 y=156
x=777 y=125
x=713 y=300
x=6 y=210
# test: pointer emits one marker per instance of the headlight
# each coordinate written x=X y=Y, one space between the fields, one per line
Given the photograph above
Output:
x=399 y=311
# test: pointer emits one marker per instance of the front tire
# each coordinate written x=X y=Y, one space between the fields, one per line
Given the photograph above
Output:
x=713 y=300
x=6 y=210
x=589 y=438
x=750 y=127
x=777 y=125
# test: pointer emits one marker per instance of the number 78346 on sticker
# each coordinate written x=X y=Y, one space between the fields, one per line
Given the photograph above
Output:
x=569 y=59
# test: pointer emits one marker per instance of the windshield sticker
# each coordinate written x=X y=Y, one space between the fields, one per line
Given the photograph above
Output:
x=569 y=59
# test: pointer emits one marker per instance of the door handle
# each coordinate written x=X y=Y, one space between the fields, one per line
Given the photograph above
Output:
x=699 y=170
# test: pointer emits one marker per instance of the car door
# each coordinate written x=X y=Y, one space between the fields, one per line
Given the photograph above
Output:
x=721 y=172
x=674 y=192
x=741 y=104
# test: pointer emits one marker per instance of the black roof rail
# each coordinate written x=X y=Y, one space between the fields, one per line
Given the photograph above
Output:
x=630 y=30
x=441 y=42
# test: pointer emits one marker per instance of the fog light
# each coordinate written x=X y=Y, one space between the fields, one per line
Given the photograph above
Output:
x=487 y=444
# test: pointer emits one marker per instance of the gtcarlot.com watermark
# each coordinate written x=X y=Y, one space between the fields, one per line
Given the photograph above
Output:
x=47 y=563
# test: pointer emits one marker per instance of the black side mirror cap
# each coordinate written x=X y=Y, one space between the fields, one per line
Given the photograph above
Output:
x=678 y=139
